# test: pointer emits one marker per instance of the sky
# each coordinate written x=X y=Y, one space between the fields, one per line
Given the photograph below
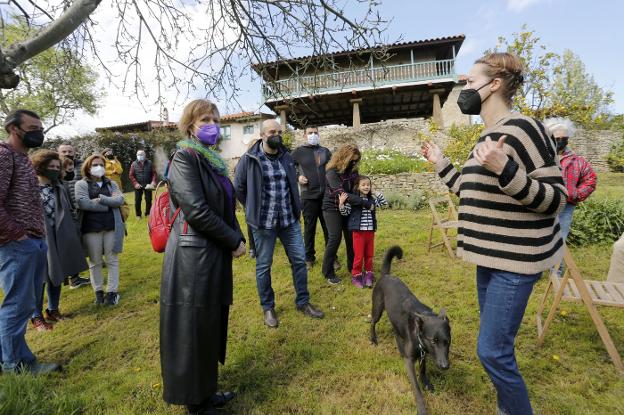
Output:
x=592 y=30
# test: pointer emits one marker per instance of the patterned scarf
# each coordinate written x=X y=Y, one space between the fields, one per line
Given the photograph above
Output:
x=212 y=156
x=48 y=198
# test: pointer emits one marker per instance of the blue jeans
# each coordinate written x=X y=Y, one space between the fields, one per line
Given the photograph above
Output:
x=21 y=265
x=565 y=222
x=54 y=298
x=292 y=240
x=503 y=298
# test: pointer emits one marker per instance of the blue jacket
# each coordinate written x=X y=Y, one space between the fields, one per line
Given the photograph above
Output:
x=248 y=183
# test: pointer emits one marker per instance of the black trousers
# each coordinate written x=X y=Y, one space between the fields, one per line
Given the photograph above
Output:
x=312 y=211
x=138 y=199
x=336 y=227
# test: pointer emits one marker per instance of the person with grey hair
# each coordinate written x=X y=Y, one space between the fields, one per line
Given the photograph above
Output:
x=578 y=175
x=143 y=178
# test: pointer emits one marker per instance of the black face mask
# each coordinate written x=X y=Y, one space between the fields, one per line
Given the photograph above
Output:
x=69 y=157
x=52 y=175
x=32 y=139
x=469 y=100
x=562 y=143
x=274 y=142
x=110 y=156
x=352 y=165
x=70 y=175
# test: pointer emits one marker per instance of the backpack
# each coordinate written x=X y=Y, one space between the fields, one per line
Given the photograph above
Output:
x=160 y=218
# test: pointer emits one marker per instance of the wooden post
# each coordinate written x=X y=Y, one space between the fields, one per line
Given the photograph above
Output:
x=356 y=113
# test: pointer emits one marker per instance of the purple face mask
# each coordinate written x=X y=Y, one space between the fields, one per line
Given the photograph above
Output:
x=208 y=134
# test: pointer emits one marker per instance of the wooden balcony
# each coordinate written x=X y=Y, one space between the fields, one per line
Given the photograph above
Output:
x=366 y=78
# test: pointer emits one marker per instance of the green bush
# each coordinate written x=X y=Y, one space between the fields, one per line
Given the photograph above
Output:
x=398 y=201
x=391 y=162
x=597 y=221
x=463 y=140
x=615 y=158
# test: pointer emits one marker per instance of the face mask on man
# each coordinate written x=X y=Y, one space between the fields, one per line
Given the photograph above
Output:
x=314 y=139
x=209 y=134
x=469 y=100
x=97 y=171
x=52 y=175
x=32 y=139
x=275 y=141
x=141 y=157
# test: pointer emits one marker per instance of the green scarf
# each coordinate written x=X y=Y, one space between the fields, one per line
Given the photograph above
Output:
x=215 y=160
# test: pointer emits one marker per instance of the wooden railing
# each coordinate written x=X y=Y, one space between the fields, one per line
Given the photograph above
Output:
x=359 y=77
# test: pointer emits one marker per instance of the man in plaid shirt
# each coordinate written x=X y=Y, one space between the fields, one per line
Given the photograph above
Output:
x=266 y=184
x=578 y=175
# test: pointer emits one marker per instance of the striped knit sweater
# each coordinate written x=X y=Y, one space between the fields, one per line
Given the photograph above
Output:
x=510 y=222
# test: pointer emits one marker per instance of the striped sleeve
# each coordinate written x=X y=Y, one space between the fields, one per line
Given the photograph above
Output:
x=449 y=174
x=380 y=200
x=537 y=184
x=345 y=210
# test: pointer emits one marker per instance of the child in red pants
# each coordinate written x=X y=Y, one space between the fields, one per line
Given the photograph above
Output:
x=362 y=224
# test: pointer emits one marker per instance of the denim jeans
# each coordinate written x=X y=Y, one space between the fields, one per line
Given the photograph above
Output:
x=54 y=298
x=565 y=222
x=503 y=298
x=293 y=245
x=22 y=263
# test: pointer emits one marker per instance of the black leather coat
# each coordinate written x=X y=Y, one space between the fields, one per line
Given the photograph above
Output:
x=196 y=288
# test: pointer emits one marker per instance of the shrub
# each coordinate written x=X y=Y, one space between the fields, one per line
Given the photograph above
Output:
x=391 y=162
x=463 y=140
x=398 y=201
x=615 y=158
x=597 y=221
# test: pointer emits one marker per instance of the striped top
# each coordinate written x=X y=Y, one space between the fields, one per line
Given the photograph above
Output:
x=510 y=222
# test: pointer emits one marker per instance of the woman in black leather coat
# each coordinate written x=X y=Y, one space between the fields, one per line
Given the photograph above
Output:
x=196 y=290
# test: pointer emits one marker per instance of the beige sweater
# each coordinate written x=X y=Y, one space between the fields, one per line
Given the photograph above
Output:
x=510 y=222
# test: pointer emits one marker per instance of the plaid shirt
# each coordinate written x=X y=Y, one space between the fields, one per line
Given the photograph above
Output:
x=578 y=176
x=276 y=210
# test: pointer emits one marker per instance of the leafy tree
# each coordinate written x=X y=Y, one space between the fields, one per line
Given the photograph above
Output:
x=54 y=83
x=556 y=85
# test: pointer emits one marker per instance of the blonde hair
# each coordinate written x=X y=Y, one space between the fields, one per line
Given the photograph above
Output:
x=193 y=112
x=342 y=157
x=506 y=66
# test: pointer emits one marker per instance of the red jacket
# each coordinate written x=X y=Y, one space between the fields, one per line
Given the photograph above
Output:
x=578 y=176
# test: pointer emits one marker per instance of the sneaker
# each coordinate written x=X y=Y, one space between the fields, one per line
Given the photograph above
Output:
x=334 y=280
x=99 y=298
x=357 y=281
x=54 y=316
x=369 y=279
x=78 y=282
x=112 y=298
x=40 y=324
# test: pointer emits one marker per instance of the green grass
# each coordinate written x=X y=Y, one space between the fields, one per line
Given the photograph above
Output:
x=319 y=367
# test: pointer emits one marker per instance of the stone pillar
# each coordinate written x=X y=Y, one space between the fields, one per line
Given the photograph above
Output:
x=282 y=112
x=437 y=107
x=356 y=113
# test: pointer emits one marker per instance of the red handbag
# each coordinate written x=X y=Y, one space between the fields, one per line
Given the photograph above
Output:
x=160 y=219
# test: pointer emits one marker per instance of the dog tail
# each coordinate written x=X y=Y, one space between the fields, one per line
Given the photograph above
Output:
x=395 y=251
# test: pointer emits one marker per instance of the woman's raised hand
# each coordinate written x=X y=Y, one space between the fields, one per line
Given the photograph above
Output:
x=431 y=152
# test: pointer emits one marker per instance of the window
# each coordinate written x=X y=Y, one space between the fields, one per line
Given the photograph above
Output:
x=226 y=132
x=248 y=129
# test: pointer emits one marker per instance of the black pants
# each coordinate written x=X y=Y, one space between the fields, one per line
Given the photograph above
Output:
x=336 y=227
x=138 y=196
x=311 y=213
x=250 y=239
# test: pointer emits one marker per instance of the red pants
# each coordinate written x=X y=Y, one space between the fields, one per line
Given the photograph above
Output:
x=364 y=250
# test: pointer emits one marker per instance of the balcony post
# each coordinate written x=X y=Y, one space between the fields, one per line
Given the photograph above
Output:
x=356 y=113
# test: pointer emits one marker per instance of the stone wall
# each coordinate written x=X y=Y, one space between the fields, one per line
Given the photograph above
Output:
x=406 y=183
x=405 y=136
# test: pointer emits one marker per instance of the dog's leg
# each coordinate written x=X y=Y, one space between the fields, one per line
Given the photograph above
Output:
x=423 y=375
x=378 y=308
x=420 y=401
